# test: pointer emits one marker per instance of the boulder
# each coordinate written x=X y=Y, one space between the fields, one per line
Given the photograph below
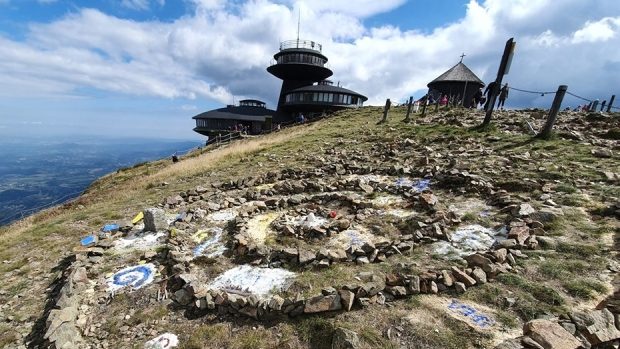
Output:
x=155 y=220
x=500 y=255
x=602 y=153
x=276 y=302
x=480 y=276
x=321 y=304
x=550 y=335
x=396 y=291
x=413 y=287
x=346 y=298
x=429 y=199
x=478 y=260
x=306 y=257
x=460 y=287
x=345 y=339
x=183 y=297
x=520 y=234
x=448 y=280
x=597 y=326
x=547 y=214
x=463 y=277
x=523 y=210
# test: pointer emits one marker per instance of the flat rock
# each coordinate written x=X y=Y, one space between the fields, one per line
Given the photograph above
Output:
x=321 y=304
x=345 y=339
x=550 y=335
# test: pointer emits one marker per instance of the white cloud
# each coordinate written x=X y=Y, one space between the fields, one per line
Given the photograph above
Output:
x=222 y=49
x=602 y=30
x=46 y=1
x=140 y=5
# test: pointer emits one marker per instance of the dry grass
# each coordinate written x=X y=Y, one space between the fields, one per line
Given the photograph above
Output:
x=198 y=165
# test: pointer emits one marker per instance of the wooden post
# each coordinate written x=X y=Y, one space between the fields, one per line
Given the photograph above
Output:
x=407 y=117
x=436 y=106
x=424 y=101
x=553 y=112
x=386 y=109
x=603 y=105
x=504 y=64
x=611 y=102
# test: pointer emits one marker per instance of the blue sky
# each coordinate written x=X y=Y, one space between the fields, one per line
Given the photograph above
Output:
x=144 y=67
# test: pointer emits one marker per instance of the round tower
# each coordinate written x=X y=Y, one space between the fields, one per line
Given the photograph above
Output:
x=298 y=63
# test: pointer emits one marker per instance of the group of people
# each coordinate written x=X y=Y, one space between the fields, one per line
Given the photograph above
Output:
x=244 y=129
x=481 y=98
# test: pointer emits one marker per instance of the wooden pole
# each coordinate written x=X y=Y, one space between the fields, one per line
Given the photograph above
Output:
x=508 y=50
x=407 y=117
x=553 y=112
x=386 y=109
x=436 y=106
x=611 y=102
x=424 y=101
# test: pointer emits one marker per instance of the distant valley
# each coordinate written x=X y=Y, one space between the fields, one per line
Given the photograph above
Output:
x=35 y=174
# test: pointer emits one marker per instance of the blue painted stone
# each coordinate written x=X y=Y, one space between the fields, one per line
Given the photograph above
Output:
x=88 y=240
x=109 y=228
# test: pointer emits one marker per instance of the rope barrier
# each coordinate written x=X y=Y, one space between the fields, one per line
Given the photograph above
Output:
x=582 y=98
x=542 y=93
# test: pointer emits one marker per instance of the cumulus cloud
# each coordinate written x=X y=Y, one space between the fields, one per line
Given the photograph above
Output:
x=221 y=49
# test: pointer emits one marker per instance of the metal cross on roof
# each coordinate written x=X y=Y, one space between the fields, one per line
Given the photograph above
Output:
x=462 y=55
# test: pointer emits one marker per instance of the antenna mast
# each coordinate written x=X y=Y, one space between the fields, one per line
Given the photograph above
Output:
x=298 y=24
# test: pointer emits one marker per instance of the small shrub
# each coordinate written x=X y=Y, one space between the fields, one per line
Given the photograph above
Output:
x=581 y=250
x=540 y=292
x=584 y=288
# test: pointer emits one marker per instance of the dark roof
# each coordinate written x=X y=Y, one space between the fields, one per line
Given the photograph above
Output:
x=251 y=100
x=242 y=113
x=328 y=88
x=459 y=72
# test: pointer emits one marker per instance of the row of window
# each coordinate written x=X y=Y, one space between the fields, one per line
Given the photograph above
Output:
x=301 y=58
x=323 y=97
x=251 y=104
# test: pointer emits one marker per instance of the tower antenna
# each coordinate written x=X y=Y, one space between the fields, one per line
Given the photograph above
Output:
x=298 y=24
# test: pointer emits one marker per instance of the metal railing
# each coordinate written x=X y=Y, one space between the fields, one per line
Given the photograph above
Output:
x=307 y=44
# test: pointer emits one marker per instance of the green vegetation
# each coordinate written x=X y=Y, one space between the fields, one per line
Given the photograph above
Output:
x=584 y=288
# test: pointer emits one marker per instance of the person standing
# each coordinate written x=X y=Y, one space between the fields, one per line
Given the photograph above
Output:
x=503 y=94
x=477 y=99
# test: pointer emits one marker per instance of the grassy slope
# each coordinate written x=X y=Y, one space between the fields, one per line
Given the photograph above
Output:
x=30 y=248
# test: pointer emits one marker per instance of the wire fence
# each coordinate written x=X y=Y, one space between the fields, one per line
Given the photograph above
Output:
x=543 y=93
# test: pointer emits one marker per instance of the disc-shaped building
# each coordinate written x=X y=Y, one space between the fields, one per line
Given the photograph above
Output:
x=305 y=91
x=456 y=82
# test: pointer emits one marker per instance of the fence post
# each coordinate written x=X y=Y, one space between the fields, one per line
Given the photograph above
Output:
x=503 y=66
x=388 y=103
x=603 y=106
x=424 y=101
x=611 y=102
x=407 y=118
x=553 y=112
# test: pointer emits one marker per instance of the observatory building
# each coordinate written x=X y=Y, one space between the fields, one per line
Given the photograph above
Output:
x=302 y=67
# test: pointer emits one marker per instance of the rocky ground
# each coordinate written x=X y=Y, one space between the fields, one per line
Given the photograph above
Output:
x=349 y=234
